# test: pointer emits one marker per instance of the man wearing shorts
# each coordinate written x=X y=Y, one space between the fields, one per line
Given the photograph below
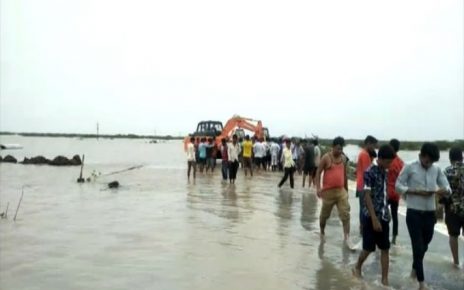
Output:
x=334 y=189
x=454 y=206
x=375 y=213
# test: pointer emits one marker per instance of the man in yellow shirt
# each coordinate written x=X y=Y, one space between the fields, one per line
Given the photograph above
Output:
x=247 y=152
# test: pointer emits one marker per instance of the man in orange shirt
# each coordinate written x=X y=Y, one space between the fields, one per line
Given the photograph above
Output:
x=365 y=158
x=334 y=189
x=393 y=196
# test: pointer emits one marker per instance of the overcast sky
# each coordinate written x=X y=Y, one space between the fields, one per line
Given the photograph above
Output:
x=350 y=68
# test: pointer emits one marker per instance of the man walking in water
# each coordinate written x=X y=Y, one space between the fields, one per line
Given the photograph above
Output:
x=334 y=189
x=191 y=162
x=420 y=181
x=247 y=151
x=225 y=159
x=364 y=161
x=202 y=154
x=259 y=151
x=393 y=196
x=233 y=153
x=275 y=148
x=317 y=158
x=288 y=163
x=454 y=208
x=375 y=213
x=210 y=155
x=309 y=166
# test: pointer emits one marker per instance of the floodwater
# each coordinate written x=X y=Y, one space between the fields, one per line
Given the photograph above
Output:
x=158 y=231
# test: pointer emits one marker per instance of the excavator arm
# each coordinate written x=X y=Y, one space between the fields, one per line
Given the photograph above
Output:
x=244 y=123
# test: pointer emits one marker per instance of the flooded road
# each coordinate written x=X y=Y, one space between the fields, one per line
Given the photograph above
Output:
x=158 y=231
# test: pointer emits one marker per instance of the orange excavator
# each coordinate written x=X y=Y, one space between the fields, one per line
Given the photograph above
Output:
x=236 y=124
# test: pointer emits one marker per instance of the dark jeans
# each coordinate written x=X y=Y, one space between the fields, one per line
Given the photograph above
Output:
x=288 y=172
x=233 y=167
x=190 y=165
x=420 y=227
x=394 y=212
x=225 y=169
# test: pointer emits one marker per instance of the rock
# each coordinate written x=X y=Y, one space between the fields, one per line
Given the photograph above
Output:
x=76 y=160
x=36 y=160
x=113 y=184
x=61 y=161
x=58 y=161
x=9 y=159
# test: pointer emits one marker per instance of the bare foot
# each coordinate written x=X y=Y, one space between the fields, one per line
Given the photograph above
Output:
x=349 y=245
x=356 y=272
x=322 y=236
x=385 y=282
x=422 y=286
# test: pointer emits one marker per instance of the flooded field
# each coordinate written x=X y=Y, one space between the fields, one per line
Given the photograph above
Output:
x=159 y=231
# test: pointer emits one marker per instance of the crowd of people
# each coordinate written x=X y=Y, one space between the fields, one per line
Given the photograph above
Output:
x=253 y=154
x=382 y=180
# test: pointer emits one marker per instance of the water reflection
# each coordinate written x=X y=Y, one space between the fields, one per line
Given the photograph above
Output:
x=309 y=206
x=284 y=215
x=285 y=200
x=229 y=207
x=330 y=275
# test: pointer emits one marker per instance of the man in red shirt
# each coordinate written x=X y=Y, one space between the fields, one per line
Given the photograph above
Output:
x=393 y=196
x=365 y=158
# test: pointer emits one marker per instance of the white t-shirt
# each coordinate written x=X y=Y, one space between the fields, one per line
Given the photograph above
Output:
x=190 y=152
x=259 y=150
x=275 y=148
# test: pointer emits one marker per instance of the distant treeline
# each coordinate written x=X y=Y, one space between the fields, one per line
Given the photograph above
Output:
x=108 y=136
x=405 y=145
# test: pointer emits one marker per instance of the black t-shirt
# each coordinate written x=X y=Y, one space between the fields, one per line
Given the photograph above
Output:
x=209 y=151
x=309 y=156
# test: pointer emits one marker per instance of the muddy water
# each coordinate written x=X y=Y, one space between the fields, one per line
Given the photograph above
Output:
x=159 y=231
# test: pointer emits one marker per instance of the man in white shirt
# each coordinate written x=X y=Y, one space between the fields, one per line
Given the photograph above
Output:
x=259 y=151
x=191 y=162
x=233 y=151
x=317 y=158
x=420 y=181
x=275 y=148
x=288 y=163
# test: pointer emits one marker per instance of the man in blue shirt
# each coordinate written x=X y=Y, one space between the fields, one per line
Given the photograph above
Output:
x=375 y=213
x=202 y=154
